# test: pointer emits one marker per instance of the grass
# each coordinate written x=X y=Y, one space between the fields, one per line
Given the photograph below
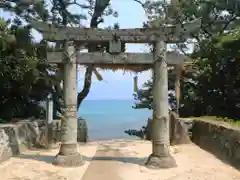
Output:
x=217 y=118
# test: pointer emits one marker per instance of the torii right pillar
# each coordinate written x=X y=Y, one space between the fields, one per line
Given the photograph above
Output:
x=160 y=157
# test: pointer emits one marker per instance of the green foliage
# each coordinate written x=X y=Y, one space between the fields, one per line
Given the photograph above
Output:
x=233 y=122
x=144 y=97
x=216 y=87
x=25 y=59
x=25 y=11
x=211 y=85
x=23 y=76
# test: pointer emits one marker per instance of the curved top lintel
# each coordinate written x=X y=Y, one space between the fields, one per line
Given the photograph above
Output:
x=136 y=35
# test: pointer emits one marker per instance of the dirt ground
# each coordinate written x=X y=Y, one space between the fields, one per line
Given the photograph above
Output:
x=118 y=160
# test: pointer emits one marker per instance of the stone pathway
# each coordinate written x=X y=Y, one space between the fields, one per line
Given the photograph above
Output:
x=104 y=165
x=118 y=160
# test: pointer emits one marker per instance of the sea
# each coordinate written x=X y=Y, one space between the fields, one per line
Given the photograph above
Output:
x=108 y=119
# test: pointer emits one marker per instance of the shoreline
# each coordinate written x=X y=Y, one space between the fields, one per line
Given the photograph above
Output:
x=131 y=138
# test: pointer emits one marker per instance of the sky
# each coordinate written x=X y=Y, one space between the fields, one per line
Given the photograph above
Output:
x=116 y=85
x=119 y=85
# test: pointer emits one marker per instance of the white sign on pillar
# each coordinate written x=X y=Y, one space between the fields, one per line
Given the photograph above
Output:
x=49 y=113
x=49 y=121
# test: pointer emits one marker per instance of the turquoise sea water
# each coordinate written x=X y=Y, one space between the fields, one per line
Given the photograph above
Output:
x=107 y=119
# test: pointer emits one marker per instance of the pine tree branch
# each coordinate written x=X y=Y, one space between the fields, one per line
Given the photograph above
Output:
x=98 y=12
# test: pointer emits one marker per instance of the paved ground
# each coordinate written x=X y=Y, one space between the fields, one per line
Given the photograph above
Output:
x=119 y=160
x=104 y=165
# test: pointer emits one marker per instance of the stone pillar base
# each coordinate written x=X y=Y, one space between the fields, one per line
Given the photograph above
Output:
x=164 y=162
x=52 y=146
x=68 y=161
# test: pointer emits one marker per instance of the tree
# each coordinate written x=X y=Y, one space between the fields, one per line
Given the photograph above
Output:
x=61 y=15
x=101 y=9
x=144 y=97
x=24 y=11
x=219 y=75
x=203 y=91
x=24 y=76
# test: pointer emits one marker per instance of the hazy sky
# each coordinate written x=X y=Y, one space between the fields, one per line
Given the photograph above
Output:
x=119 y=85
x=116 y=85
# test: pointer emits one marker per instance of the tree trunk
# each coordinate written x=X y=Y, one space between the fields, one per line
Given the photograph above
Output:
x=68 y=154
x=98 y=12
x=160 y=157
x=86 y=86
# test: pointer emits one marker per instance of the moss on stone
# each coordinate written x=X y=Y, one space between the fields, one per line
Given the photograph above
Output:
x=233 y=122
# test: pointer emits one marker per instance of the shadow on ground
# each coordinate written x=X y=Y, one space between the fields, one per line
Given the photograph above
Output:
x=132 y=160
x=49 y=159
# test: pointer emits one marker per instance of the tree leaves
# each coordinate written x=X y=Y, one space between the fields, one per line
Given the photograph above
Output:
x=23 y=75
x=211 y=85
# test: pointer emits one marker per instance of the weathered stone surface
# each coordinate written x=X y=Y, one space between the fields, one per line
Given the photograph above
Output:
x=188 y=123
x=69 y=161
x=178 y=130
x=82 y=134
x=173 y=58
x=5 y=149
x=148 y=127
x=169 y=34
x=15 y=138
x=164 y=162
x=220 y=139
x=56 y=130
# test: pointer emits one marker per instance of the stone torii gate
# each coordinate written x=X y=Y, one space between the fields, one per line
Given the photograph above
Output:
x=68 y=154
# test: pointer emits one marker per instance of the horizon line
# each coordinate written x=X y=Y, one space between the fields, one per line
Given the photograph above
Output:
x=107 y=99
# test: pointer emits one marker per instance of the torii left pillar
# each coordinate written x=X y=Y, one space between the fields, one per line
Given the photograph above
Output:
x=68 y=154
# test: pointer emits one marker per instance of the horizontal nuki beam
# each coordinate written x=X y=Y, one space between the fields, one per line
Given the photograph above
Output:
x=167 y=33
x=172 y=58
